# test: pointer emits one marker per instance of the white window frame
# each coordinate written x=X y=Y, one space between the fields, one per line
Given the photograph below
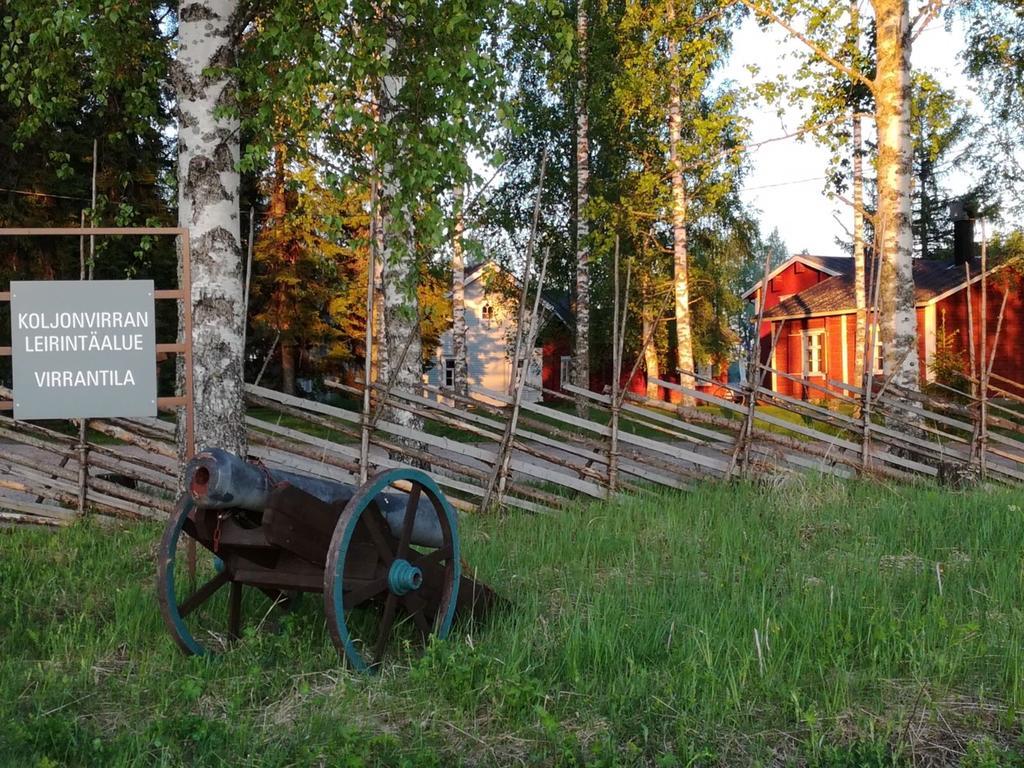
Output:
x=878 y=359
x=805 y=345
x=449 y=372
x=487 y=313
x=564 y=370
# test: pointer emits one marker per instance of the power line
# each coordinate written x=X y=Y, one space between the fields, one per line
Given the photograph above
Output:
x=29 y=193
x=785 y=183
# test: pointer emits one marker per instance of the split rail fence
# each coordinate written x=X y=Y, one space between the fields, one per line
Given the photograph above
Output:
x=128 y=468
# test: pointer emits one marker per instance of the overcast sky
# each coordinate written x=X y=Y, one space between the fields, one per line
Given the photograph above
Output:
x=787 y=177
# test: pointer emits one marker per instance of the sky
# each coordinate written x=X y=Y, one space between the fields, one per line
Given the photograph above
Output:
x=786 y=180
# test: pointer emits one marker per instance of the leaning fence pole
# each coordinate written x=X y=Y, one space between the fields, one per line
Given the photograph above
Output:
x=248 y=275
x=83 y=445
x=753 y=363
x=613 y=435
x=364 y=432
x=867 y=375
x=499 y=478
x=983 y=415
x=521 y=312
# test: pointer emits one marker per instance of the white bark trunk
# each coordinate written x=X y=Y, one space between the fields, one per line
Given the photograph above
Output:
x=208 y=181
x=898 y=318
x=651 y=350
x=399 y=275
x=581 y=353
x=459 y=302
x=859 y=272
x=680 y=250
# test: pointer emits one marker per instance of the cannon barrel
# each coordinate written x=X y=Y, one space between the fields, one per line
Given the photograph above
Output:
x=217 y=479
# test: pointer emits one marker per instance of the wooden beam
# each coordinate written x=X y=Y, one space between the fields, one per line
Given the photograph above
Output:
x=88 y=231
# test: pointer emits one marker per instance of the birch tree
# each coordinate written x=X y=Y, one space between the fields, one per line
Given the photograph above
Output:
x=668 y=53
x=208 y=186
x=890 y=87
x=461 y=374
x=581 y=347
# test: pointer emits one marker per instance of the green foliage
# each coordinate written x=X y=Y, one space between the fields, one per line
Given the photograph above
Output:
x=318 y=68
x=628 y=640
x=949 y=365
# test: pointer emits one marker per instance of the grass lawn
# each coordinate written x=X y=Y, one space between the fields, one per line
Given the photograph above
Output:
x=823 y=624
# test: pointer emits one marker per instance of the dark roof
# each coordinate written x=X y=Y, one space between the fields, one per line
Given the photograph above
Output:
x=841 y=264
x=836 y=294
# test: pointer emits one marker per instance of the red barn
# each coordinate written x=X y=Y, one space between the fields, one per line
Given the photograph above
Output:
x=811 y=310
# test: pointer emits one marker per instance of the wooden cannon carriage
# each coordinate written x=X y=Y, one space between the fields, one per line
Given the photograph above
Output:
x=271 y=536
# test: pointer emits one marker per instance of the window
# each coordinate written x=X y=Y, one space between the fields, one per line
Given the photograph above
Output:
x=487 y=313
x=879 y=353
x=565 y=370
x=814 y=353
x=449 y=373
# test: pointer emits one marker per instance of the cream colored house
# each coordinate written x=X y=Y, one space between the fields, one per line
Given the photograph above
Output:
x=491 y=296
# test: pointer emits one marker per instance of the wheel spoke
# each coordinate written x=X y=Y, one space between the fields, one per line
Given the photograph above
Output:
x=360 y=595
x=433 y=558
x=235 y=611
x=203 y=594
x=386 y=622
x=410 y=519
x=372 y=519
x=416 y=611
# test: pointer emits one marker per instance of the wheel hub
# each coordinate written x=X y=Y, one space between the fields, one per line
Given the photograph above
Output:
x=404 y=577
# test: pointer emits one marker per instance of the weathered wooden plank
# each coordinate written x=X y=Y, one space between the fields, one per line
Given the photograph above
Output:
x=40 y=509
x=647 y=414
x=463 y=449
x=383 y=462
x=707 y=398
x=15 y=519
x=600 y=429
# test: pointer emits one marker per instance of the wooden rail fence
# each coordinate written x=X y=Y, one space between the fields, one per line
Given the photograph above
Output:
x=555 y=456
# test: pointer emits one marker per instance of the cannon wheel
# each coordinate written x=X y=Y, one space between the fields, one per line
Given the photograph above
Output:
x=212 y=577
x=407 y=572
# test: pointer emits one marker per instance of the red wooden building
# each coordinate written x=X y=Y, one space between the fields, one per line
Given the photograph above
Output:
x=811 y=308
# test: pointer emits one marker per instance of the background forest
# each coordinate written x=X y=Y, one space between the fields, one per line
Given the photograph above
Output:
x=416 y=131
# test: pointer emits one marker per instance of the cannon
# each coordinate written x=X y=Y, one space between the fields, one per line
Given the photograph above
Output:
x=385 y=556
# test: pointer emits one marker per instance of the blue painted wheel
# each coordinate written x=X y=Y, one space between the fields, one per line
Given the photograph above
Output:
x=202 y=617
x=170 y=583
x=414 y=587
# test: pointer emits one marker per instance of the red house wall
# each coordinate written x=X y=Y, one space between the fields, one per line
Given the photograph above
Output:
x=1009 y=352
x=1009 y=360
x=554 y=348
x=789 y=354
x=793 y=279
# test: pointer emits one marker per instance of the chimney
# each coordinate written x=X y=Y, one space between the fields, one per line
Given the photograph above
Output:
x=963 y=232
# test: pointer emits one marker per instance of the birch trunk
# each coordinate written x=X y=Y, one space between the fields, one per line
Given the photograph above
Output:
x=378 y=355
x=208 y=185
x=581 y=353
x=651 y=350
x=459 y=302
x=859 y=271
x=680 y=249
x=402 y=357
x=898 y=317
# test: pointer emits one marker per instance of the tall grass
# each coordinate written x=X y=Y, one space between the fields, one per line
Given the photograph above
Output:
x=822 y=624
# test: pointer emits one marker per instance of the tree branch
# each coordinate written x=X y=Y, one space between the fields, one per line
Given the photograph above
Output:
x=850 y=72
x=925 y=16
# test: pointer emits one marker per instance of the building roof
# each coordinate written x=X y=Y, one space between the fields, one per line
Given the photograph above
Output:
x=556 y=303
x=932 y=280
x=830 y=265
